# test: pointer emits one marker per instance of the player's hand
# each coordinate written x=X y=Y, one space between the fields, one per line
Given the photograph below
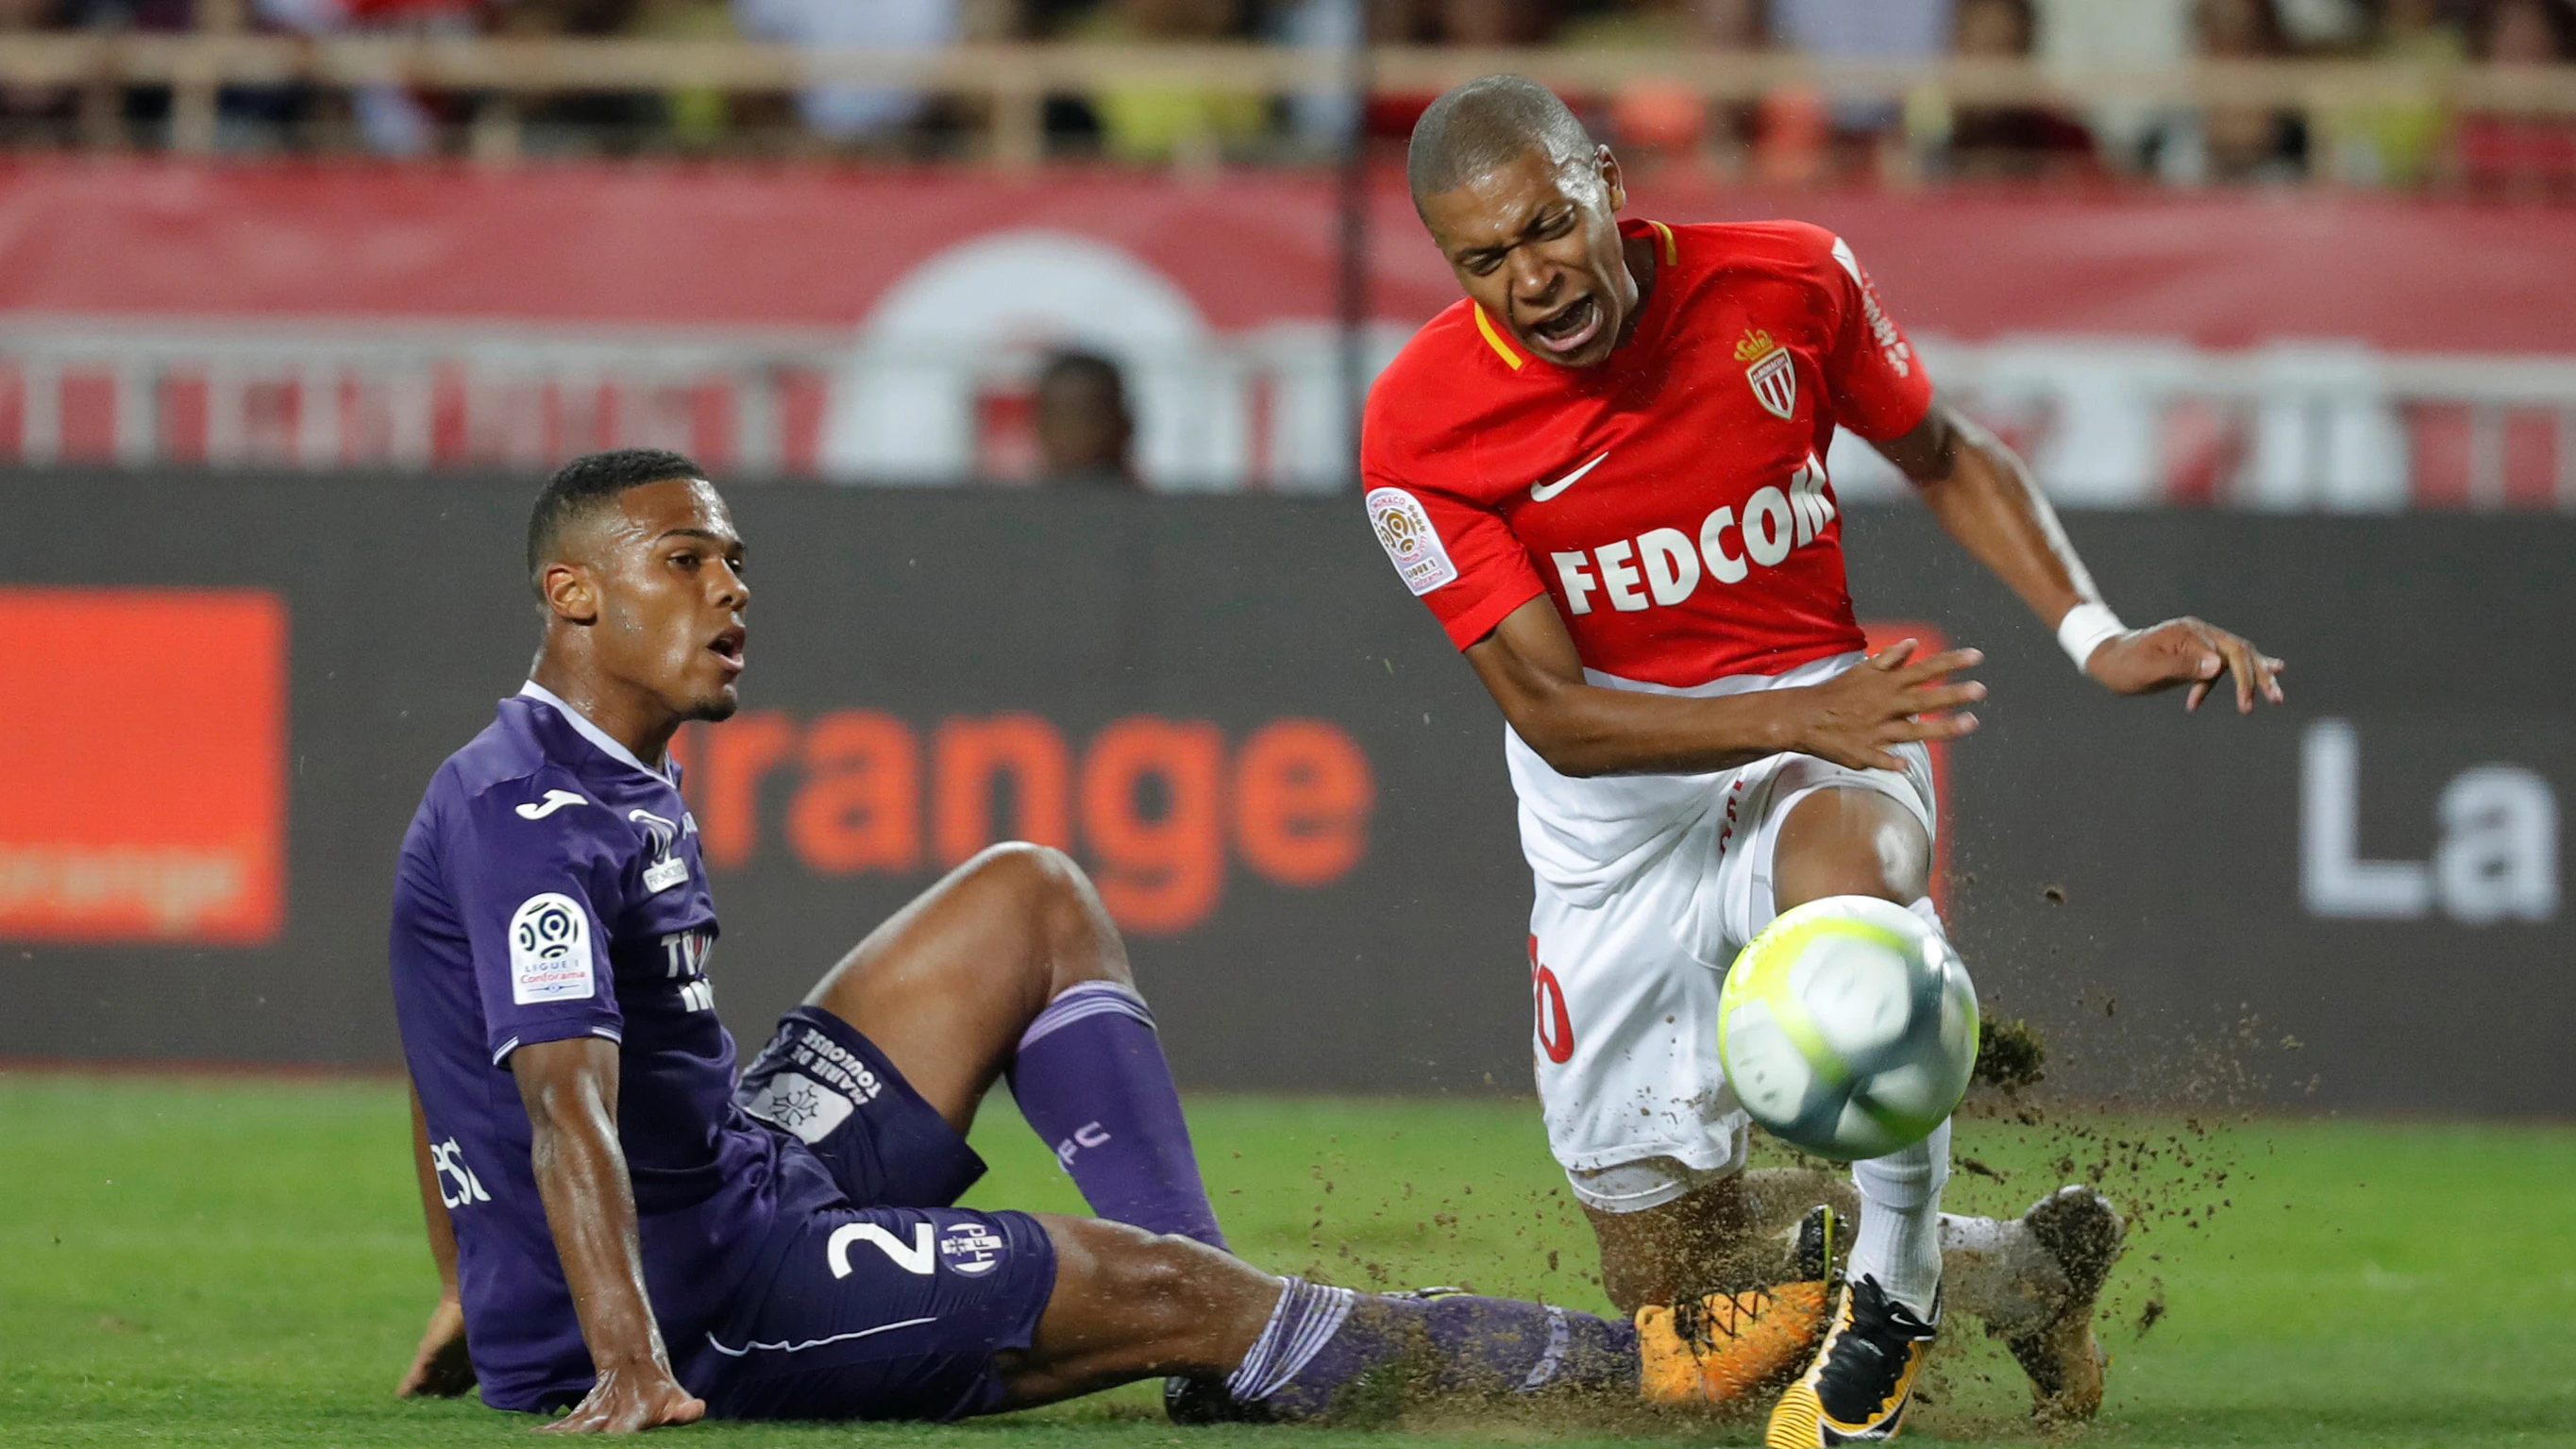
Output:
x=1888 y=699
x=631 y=1399
x=2185 y=651
x=440 y=1370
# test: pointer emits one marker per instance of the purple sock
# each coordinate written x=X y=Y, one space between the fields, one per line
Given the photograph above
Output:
x=1090 y=1078
x=1321 y=1341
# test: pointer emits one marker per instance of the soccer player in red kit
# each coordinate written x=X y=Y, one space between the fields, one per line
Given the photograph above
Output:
x=1604 y=472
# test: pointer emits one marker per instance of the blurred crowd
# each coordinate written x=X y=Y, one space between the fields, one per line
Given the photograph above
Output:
x=1792 y=136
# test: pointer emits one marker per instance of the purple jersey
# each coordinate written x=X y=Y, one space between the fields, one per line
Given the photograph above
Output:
x=550 y=888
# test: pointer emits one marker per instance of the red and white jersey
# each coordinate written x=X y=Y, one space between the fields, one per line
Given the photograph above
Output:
x=1672 y=500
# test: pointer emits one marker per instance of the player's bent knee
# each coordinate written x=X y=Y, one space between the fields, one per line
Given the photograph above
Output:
x=1842 y=842
x=1038 y=879
x=1044 y=887
x=1022 y=867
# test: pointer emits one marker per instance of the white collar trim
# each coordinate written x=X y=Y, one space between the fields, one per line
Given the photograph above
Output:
x=591 y=732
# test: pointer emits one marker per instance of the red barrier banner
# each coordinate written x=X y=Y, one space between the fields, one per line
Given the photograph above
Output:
x=2306 y=350
x=788 y=247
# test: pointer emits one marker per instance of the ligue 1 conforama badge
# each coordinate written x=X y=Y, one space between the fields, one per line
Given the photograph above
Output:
x=550 y=951
x=1773 y=373
x=972 y=1250
x=1405 y=531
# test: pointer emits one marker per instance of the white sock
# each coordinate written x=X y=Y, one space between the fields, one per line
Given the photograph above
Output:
x=1985 y=1237
x=1898 y=1241
x=1994 y=1269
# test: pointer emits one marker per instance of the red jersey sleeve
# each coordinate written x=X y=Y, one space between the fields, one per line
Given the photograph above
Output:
x=1456 y=555
x=1879 y=387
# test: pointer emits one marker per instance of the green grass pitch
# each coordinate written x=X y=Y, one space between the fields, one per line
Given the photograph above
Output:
x=234 y=1261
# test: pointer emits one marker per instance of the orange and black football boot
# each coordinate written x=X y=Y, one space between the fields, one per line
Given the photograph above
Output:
x=1725 y=1347
x=1857 y=1390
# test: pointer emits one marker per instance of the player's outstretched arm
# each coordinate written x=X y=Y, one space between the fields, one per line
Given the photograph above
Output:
x=1530 y=666
x=1985 y=499
x=570 y=1089
x=440 y=1369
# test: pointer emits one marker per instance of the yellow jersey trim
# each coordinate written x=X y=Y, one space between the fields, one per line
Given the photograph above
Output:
x=1672 y=247
x=1494 y=339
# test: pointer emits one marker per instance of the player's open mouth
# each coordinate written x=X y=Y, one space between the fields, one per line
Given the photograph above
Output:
x=728 y=647
x=1569 y=327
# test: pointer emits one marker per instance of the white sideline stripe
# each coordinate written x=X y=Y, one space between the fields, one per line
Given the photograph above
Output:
x=813 y=1342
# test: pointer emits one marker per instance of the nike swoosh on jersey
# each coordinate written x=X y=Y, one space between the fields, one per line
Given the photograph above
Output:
x=1541 y=492
x=555 y=800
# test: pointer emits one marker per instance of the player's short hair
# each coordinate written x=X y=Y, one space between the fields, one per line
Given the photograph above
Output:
x=589 y=481
x=1488 y=122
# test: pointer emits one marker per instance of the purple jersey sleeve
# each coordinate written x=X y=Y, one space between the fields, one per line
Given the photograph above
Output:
x=536 y=868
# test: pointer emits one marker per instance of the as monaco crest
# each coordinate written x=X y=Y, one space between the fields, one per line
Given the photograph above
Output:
x=1773 y=374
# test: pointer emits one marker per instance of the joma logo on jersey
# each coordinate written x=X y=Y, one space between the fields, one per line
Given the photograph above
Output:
x=1662 y=566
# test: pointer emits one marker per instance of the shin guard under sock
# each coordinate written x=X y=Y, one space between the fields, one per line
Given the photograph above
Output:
x=1898 y=1241
x=1091 y=1080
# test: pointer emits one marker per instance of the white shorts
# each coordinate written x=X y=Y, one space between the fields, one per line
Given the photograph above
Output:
x=1638 y=1110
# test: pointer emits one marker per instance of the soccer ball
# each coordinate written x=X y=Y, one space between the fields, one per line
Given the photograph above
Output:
x=1848 y=1027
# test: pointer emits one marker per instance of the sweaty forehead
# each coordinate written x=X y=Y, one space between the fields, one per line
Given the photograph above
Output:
x=650 y=510
x=1497 y=204
x=636 y=517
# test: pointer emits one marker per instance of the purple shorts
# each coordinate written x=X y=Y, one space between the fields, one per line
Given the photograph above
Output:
x=882 y=1313
x=872 y=1299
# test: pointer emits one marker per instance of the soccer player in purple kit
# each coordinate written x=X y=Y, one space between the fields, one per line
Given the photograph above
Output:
x=625 y=1228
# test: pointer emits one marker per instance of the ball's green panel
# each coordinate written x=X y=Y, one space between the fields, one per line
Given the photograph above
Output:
x=1761 y=973
x=1865 y=1092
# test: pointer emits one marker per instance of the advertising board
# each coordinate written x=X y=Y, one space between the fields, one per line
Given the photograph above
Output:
x=1290 y=787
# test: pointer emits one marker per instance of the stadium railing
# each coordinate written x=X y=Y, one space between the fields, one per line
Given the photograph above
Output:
x=1013 y=81
x=2142 y=424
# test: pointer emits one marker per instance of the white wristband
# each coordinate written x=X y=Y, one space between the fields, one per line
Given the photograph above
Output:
x=2086 y=628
